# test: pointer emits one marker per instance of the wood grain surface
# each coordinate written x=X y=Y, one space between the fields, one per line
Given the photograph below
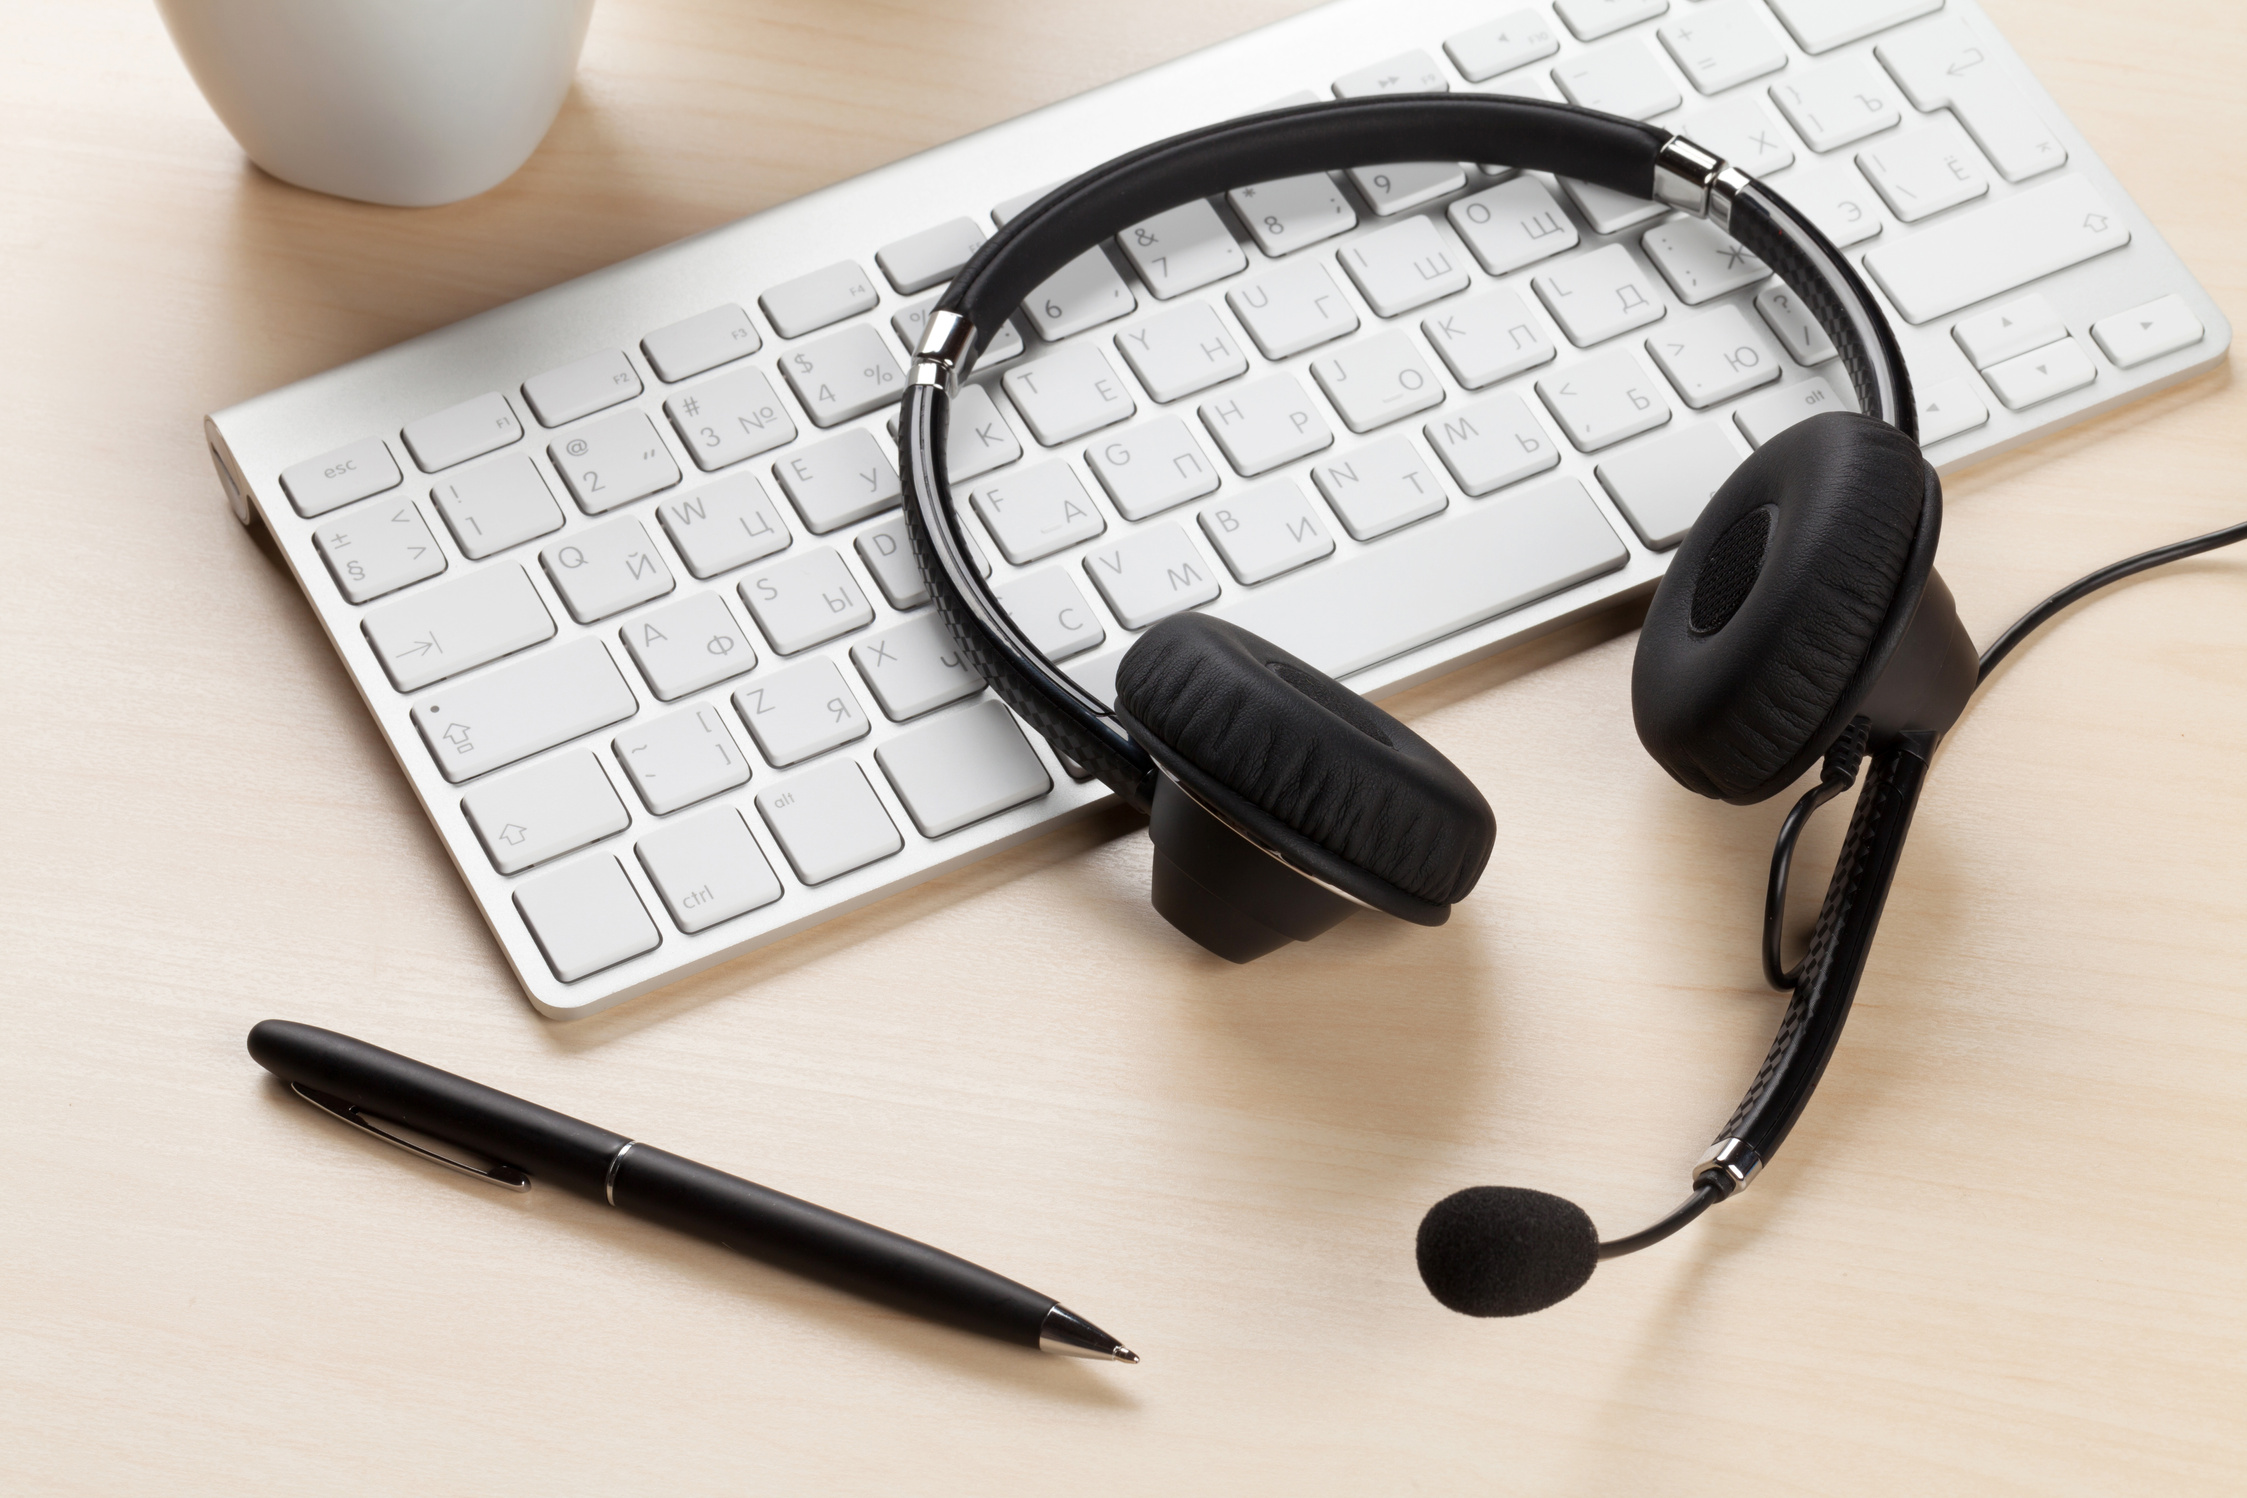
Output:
x=2002 y=1254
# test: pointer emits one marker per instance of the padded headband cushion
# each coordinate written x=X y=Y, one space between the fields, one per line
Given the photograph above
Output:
x=1315 y=758
x=1775 y=614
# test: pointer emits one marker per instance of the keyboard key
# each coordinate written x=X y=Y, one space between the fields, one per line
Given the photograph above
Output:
x=811 y=302
x=1526 y=83
x=1082 y=294
x=2050 y=371
x=1785 y=315
x=2159 y=327
x=1376 y=381
x=1051 y=609
x=1742 y=132
x=688 y=645
x=915 y=668
x=1822 y=25
x=1662 y=484
x=1839 y=201
x=1922 y=172
x=458 y=433
x=1294 y=308
x=1182 y=352
x=1393 y=189
x=379 y=550
x=1435 y=580
x=1486 y=338
x=1150 y=468
x=456 y=626
x=802 y=711
x=911 y=322
x=606 y=569
x=586 y=917
x=806 y=601
x=334 y=479
x=1013 y=206
x=516 y=710
x=1406 y=73
x=1513 y=40
x=544 y=811
x=962 y=768
x=829 y=821
x=676 y=759
x=1182 y=250
x=613 y=461
x=888 y=554
x=1622 y=78
x=843 y=375
x=1947 y=408
x=1594 y=297
x=1601 y=401
x=1492 y=443
x=919 y=261
x=1713 y=356
x=1266 y=423
x=1992 y=250
x=725 y=524
x=732 y=417
x=1699 y=260
x=1379 y=488
x=841 y=480
x=1037 y=511
x=2014 y=327
x=1837 y=102
x=1609 y=211
x=1720 y=46
x=977 y=438
x=1403 y=267
x=1068 y=393
x=1593 y=19
x=1765 y=416
x=1265 y=531
x=496 y=505
x=1293 y=212
x=701 y=343
x=591 y=384
x=1941 y=64
x=1151 y=576
x=708 y=869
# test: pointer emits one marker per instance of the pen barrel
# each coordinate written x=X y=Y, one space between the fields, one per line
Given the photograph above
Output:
x=548 y=1146
x=818 y=1244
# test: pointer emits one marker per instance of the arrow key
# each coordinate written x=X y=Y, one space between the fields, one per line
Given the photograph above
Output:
x=2162 y=327
x=2017 y=327
x=544 y=811
x=2039 y=376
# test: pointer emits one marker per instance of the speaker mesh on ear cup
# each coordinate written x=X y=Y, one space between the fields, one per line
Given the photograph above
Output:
x=1736 y=696
x=1364 y=792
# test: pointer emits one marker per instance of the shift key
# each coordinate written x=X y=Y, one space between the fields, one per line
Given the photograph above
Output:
x=516 y=710
x=1992 y=250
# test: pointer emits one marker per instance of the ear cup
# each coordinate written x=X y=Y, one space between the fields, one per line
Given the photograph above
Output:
x=1783 y=604
x=1340 y=788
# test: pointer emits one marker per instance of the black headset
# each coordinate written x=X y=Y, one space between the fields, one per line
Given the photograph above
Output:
x=1800 y=620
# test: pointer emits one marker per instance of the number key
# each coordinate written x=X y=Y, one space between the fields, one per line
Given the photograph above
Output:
x=727 y=419
x=843 y=375
x=613 y=461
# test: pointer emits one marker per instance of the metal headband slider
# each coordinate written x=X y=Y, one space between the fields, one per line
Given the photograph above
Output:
x=944 y=345
x=1698 y=181
x=1730 y=1164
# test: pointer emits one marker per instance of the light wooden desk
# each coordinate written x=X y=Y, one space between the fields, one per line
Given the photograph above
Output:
x=2003 y=1253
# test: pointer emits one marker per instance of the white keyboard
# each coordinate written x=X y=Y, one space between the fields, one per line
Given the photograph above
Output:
x=620 y=571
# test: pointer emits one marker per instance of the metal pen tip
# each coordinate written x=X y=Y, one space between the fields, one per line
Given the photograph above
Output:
x=1072 y=1336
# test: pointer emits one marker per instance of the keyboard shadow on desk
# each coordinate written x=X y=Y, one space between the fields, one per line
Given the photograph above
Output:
x=762 y=1291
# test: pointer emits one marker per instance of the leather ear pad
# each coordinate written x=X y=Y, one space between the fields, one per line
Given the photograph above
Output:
x=1779 y=609
x=1339 y=787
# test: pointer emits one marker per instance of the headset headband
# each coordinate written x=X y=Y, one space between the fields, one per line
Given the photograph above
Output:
x=1627 y=156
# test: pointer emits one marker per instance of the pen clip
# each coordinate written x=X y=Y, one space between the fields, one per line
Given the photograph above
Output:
x=507 y=1176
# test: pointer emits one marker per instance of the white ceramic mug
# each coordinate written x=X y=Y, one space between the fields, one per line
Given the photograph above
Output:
x=408 y=102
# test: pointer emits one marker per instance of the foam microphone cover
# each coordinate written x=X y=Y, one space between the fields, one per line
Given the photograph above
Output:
x=1505 y=1250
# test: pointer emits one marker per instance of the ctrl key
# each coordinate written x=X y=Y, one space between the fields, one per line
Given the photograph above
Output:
x=708 y=869
x=829 y=821
x=586 y=916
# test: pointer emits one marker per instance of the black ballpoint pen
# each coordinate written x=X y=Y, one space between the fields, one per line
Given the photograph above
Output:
x=365 y=1085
